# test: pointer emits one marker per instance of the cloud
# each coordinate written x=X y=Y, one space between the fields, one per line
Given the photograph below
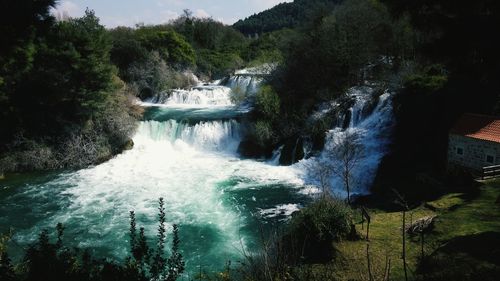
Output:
x=228 y=21
x=266 y=4
x=200 y=13
x=168 y=15
x=67 y=9
x=167 y=3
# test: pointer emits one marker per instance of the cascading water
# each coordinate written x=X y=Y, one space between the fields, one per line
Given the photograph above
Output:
x=211 y=136
x=185 y=151
x=202 y=95
x=245 y=82
x=370 y=119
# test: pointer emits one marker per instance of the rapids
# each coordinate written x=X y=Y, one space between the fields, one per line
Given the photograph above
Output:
x=186 y=152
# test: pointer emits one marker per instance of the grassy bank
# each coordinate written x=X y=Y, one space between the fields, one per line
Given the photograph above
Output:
x=459 y=215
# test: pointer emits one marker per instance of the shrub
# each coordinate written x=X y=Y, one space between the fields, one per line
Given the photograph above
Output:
x=47 y=260
x=429 y=80
x=263 y=133
x=268 y=103
x=237 y=95
x=313 y=230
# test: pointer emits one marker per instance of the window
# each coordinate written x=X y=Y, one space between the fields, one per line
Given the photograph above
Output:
x=490 y=159
x=459 y=150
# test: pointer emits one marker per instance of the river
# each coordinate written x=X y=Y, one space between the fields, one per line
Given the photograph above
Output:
x=186 y=152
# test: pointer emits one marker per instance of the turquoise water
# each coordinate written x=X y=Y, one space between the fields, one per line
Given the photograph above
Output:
x=186 y=152
x=185 y=155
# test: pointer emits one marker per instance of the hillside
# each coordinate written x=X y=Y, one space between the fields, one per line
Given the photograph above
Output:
x=284 y=15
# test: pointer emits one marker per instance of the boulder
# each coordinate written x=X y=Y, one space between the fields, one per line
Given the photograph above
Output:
x=424 y=224
x=251 y=149
x=128 y=145
x=292 y=152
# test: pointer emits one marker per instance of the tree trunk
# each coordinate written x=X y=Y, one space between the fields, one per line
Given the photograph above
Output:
x=368 y=231
x=369 y=261
x=348 y=189
x=404 y=244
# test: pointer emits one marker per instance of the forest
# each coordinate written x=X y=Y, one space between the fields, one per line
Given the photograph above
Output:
x=70 y=99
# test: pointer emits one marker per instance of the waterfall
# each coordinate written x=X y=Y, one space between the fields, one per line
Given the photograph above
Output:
x=370 y=117
x=222 y=136
x=248 y=84
x=217 y=93
x=185 y=151
x=202 y=95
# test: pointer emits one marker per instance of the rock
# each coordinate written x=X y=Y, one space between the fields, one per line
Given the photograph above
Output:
x=128 y=145
x=146 y=93
x=251 y=149
x=292 y=152
x=421 y=225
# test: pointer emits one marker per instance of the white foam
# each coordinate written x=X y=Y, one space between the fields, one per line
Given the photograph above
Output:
x=284 y=211
x=374 y=131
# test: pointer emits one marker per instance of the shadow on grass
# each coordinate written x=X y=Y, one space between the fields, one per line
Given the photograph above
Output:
x=471 y=257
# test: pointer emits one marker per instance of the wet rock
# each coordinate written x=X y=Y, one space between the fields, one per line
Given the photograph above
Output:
x=293 y=151
x=128 y=145
x=251 y=149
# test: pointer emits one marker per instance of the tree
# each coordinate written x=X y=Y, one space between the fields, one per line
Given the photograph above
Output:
x=22 y=22
x=159 y=262
x=171 y=46
x=70 y=78
x=347 y=152
x=175 y=263
x=126 y=50
x=268 y=103
x=340 y=158
x=400 y=200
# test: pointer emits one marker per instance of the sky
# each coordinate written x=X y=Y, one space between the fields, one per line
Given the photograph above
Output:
x=130 y=12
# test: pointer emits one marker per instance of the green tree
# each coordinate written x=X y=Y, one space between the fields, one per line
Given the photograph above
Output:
x=70 y=79
x=126 y=50
x=21 y=24
x=173 y=48
x=268 y=103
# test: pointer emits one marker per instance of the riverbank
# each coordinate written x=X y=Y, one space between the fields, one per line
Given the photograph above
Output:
x=460 y=246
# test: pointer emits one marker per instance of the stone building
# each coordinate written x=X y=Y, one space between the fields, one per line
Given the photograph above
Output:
x=474 y=142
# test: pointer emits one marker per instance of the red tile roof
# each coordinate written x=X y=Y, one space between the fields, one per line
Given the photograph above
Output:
x=478 y=126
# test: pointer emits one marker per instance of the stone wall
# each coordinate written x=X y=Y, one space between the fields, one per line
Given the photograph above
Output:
x=474 y=152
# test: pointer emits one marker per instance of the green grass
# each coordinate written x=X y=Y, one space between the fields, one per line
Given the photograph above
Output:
x=458 y=215
x=446 y=203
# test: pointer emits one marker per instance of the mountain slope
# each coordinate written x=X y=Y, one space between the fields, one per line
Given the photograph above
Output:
x=284 y=15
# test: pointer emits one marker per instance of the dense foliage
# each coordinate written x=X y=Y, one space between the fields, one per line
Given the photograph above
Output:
x=284 y=15
x=456 y=73
x=313 y=231
x=337 y=49
x=218 y=47
x=67 y=86
x=61 y=102
x=439 y=57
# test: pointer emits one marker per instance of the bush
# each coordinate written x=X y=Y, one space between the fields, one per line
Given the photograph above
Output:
x=313 y=230
x=263 y=133
x=268 y=103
